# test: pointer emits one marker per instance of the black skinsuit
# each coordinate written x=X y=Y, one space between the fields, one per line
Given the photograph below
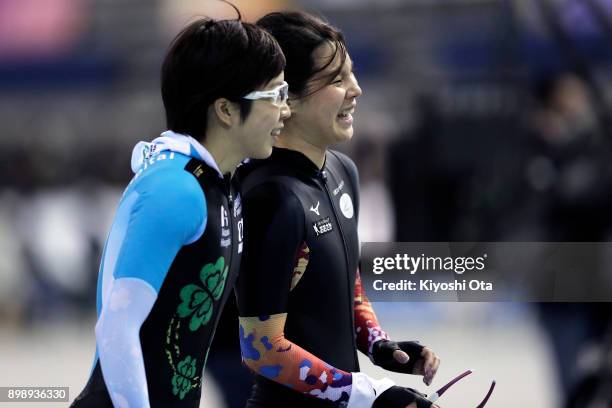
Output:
x=289 y=202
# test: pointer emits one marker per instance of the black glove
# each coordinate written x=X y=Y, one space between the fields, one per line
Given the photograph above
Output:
x=400 y=397
x=382 y=355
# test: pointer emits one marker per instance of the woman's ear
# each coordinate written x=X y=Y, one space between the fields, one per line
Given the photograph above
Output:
x=226 y=111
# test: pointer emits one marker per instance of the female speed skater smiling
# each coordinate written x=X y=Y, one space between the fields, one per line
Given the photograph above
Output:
x=303 y=311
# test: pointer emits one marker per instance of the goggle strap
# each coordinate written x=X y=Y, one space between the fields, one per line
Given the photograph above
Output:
x=486 y=398
x=453 y=381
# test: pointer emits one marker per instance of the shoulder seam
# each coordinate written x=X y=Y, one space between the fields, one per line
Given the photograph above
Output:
x=344 y=166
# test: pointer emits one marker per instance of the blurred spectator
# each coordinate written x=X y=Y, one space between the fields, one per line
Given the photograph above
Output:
x=423 y=193
x=568 y=171
x=568 y=164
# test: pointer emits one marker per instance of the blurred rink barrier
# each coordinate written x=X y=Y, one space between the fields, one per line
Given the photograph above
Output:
x=481 y=120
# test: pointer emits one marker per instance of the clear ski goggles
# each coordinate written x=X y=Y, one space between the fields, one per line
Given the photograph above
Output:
x=278 y=95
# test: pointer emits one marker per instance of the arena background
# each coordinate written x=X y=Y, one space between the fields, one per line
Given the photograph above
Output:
x=481 y=120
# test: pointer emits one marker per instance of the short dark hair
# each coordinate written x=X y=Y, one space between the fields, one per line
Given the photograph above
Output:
x=211 y=59
x=299 y=34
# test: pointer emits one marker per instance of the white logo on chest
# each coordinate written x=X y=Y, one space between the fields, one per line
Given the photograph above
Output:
x=224 y=218
x=339 y=188
x=315 y=209
x=226 y=239
x=346 y=205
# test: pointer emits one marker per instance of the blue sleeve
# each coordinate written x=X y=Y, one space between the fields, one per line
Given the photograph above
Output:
x=118 y=341
x=162 y=212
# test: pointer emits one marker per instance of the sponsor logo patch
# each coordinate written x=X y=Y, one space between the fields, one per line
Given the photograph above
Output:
x=240 y=235
x=237 y=206
x=225 y=229
x=339 y=188
x=322 y=226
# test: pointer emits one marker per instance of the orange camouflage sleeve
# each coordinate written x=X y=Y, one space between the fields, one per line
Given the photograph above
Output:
x=267 y=352
x=367 y=328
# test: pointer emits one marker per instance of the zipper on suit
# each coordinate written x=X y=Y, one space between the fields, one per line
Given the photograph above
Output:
x=323 y=177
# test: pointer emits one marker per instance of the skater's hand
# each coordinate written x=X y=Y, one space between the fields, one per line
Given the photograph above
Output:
x=407 y=357
x=427 y=365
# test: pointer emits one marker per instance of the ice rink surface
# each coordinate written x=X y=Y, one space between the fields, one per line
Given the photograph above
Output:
x=499 y=341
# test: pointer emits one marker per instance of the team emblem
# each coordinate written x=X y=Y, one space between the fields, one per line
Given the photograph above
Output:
x=346 y=205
